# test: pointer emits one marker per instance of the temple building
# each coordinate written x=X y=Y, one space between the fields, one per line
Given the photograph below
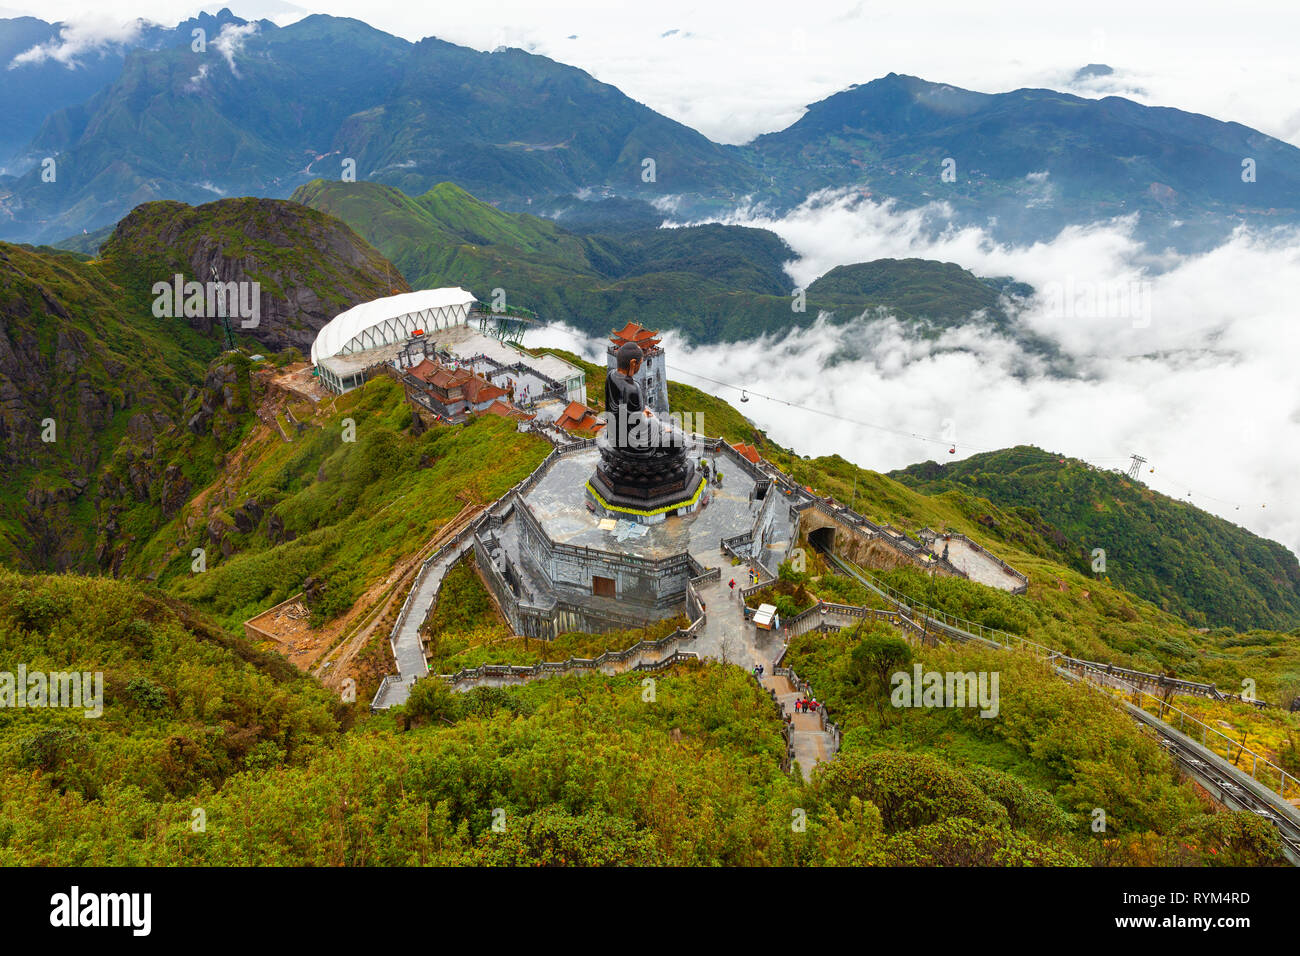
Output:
x=453 y=358
x=454 y=393
x=367 y=336
x=652 y=376
x=610 y=532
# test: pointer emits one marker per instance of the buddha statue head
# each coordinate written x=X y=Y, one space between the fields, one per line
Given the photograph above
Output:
x=629 y=357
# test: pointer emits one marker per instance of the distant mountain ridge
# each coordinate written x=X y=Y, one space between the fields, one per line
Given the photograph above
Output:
x=57 y=72
x=277 y=107
x=335 y=97
x=710 y=282
x=1032 y=154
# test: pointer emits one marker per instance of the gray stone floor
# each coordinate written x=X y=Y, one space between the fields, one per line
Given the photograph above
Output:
x=559 y=501
x=976 y=565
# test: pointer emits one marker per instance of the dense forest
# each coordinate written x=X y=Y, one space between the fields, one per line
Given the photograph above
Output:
x=210 y=752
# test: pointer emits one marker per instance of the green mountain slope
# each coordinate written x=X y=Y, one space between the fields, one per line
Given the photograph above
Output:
x=109 y=415
x=1194 y=564
x=1032 y=159
x=584 y=769
x=711 y=282
x=287 y=104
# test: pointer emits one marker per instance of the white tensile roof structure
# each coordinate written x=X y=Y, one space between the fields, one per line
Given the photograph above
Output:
x=390 y=320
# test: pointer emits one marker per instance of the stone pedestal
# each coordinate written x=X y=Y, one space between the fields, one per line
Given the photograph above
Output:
x=645 y=485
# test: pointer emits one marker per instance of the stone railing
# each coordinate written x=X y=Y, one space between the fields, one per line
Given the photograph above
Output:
x=1109 y=672
x=732 y=544
x=693 y=606
x=580 y=551
x=471 y=530
x=717 y=446
x=441 y=552
x=676 y=657
x=384 y=684
x=913 y=549
x=801 y=686
x=519 y=673
x=787 y=734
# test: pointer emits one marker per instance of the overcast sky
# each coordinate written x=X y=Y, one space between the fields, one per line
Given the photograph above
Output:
x=1206 y=389
x=736 y=69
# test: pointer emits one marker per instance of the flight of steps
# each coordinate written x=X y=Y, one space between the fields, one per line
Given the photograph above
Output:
x=812 y=744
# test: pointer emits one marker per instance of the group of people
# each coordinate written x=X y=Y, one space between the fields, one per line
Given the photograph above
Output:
x=758 y=671
x=806 y=705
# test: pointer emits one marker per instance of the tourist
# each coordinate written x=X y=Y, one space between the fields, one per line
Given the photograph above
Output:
x=732 y=585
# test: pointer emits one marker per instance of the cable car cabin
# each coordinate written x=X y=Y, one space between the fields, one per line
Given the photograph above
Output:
x=767 y=618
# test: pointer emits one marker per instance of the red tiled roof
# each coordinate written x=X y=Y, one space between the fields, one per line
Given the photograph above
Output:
x=748 y=452
x=440 y=376
x=508 y=411
x=635 y=333
x=425 y=370
x=579 y=416
x=448 y=378
x=481 y=390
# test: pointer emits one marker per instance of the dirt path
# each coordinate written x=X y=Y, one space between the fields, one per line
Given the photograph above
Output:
x=332 y=661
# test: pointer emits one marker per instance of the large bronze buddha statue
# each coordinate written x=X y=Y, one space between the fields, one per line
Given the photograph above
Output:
x=644 y=471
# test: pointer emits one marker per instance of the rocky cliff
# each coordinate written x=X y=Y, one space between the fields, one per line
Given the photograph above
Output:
x=111 y=416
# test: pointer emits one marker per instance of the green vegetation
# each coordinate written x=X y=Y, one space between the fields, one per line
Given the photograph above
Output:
x=1065 y=609
x=1049 y=757
x=712 y=282
x=1201 y=567
x=164 y=454
x=584 y=770
x=186 y=707
x=114 y=416
x=339 y=512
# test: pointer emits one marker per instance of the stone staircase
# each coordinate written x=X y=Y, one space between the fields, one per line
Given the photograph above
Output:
x=811 y=742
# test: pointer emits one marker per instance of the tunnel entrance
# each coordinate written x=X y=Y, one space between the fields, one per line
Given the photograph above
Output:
x=822 y=539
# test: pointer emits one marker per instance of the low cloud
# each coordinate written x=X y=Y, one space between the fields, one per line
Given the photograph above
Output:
x=230 y=42
x=79 y=39
x=1200 y=379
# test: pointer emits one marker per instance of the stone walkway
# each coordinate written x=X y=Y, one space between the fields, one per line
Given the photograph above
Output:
x=407 y=648
x=727 y=634
x=812 y=745
x=976 y=565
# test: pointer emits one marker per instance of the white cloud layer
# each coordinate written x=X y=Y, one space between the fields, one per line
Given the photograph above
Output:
x=85 y=36
x=230 y=42
x=1202 y=381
